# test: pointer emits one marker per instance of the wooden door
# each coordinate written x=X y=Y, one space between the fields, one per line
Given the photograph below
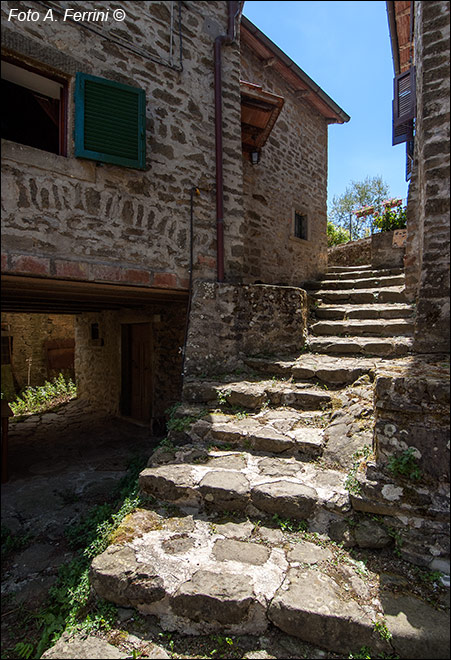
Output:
x=137 y=391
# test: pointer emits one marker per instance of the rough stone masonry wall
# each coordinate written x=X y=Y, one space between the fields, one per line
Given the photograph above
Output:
x=70 y=218
x=98 y=367
x=30 y=332
x=427 y=252
x=383 y=253
x=228 y=323
x=413 y=412
x=411 y=443
x=354 y=253
x=291 y=175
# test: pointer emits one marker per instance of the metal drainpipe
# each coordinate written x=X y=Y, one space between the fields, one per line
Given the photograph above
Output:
x=234 y=9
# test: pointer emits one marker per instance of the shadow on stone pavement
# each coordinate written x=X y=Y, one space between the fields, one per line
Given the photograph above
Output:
x=60 y=464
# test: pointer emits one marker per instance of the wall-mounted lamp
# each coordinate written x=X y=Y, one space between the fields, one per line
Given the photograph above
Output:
x=255 y=157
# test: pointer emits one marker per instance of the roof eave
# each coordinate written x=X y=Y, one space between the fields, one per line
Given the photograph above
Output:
x=338 y=115
x=393 y=36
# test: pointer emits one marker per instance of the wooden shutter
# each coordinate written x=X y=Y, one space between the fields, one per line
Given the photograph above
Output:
x=109 y=122
x=402 y=132
x=404 y=105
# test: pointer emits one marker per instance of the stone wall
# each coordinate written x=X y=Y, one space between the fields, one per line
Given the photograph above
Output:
x=98 y=364
x=427 y=251
x=408 y=483
x=30 y=334
x=228 y=323
x=413 y=412
x=383 y=253
x=72 y=218
x=291 y=176
x=354 y=253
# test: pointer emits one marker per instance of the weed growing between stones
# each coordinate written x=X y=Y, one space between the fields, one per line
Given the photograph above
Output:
x=13 y=542
x=177 y=422
x=405 y=465
x=381 y=628
x=287 y=525
x=223 y=396
x=240 y=413
x=359 y=457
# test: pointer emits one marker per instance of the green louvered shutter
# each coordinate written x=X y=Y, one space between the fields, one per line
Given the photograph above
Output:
x=110 y=122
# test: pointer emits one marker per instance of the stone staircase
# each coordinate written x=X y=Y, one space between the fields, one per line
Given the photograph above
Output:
x=361 y=311
x=250 y=515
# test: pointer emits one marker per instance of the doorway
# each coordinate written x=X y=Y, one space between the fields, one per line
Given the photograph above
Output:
x=137 y=371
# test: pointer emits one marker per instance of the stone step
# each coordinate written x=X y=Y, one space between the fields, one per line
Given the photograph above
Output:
x=366 y=283
x=253 y=485
x=361 y=274
x=253 y=395
x=207 y=576
x=361 y=297
x=361 y=283
x=374 y=311
x=373 y=328
x=349 y=269
x=279 y=431
x=329 y=370
x=369 y=346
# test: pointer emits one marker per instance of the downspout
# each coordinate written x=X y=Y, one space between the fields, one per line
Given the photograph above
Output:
x=234 y=9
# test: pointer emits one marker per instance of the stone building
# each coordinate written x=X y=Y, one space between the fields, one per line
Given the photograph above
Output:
x=421 y=56
x=142 y=159
x=36 y=347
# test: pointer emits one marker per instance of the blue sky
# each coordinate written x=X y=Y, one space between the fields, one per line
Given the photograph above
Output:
x=345 y=48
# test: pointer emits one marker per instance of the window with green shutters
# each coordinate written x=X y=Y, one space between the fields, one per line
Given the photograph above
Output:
x=110 y=120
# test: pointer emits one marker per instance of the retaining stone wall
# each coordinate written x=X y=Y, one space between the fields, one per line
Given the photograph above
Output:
x=354 y=253
x=30 y=332
x=383 y=254
x=291 y=175
x=413 y=412
x=228 y=323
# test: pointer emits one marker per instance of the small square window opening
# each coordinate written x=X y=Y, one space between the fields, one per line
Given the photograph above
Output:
x=300 y=226
x=34 y=108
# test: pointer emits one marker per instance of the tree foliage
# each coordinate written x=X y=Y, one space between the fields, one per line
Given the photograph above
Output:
x=372 y=191
x=390 y=218
x=336 y=235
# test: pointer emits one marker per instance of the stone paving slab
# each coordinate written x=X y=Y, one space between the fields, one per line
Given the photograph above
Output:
x=357 y=283
x=230 y=579
x=374 y=311
x=253 y=395
x=340 y=269
x=280 y=431
x=268 y=485
x=328 y=369
x=360 y=274
x=313 y=603
x=366 y=346
x=88 y=647
x=390 y=294
x=375 y=328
